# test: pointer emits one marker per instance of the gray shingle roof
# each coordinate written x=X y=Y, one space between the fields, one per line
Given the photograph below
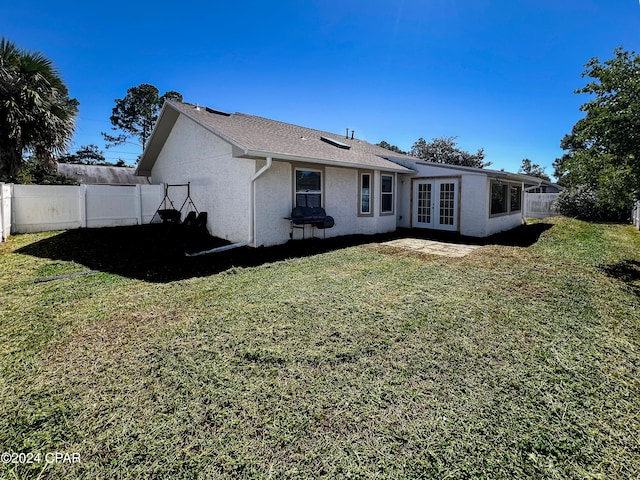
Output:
x=260 y=137
x=101 y=174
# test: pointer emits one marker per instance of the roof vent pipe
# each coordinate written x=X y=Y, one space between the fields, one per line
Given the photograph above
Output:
x=347 y=135
x=352 y=132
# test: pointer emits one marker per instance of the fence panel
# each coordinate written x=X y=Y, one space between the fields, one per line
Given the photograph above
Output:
x=539 y=205
x=111 y=206
x=5 y=211
x=39 y=208
x=150 y=199
x=635 y=215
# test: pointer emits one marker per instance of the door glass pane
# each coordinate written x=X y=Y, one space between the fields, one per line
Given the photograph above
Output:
x=424 y=203
x=447 y=200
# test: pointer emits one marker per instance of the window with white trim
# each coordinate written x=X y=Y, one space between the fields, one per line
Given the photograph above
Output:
x=386 y=194
x=516 y=198
x=365 y=198
x=308 y=188
x=498 y=198
x=506 y=198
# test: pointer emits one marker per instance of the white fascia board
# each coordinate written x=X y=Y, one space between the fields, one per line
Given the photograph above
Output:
x=150 y=152
x=321 y=161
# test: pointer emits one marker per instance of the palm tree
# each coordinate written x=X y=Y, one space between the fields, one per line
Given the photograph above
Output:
x=36 y=114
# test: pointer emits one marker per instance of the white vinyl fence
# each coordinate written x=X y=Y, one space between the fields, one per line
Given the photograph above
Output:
x=38 y=208
x=5 y=211
x=539 y=205
x=635 y=215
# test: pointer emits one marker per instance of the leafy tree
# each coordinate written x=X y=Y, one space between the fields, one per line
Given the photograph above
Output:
x=35 y=172
x=37 y=115
x=604 y=146
x=444 y=150
x=136 y=113
x=393 y=148
x=86 y=154
x=533 y=169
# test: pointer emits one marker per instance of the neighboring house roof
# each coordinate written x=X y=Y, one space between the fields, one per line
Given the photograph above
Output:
x=258 y=137
x=101 y=174
x=517 y=177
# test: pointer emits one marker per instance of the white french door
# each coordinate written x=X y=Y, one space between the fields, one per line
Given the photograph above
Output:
x=435 y=204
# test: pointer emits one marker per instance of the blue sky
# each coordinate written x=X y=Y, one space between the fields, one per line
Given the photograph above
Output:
x=498 y=74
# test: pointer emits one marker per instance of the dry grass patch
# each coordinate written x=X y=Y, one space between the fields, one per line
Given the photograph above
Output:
x=365 y=362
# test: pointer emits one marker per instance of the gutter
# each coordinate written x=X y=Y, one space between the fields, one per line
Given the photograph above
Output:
x=335 y=163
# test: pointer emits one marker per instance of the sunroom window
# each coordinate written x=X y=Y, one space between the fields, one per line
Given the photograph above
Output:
x=505 y=198
x=498 y=198
x=516 y=198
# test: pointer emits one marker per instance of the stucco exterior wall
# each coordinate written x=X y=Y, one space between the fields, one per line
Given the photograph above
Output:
x=403 y=213
x=475 y=187
x=341 y=202
x=274 y=199
x=474 y=201
x=273 y=202
x=220 y=183
x=501 y=223
x=473 y=197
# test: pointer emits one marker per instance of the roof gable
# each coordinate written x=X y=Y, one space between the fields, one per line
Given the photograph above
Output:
x=261 y=137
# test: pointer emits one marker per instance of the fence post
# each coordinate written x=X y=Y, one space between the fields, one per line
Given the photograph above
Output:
x=3 y=237
x=82 y=199
x=139 y=203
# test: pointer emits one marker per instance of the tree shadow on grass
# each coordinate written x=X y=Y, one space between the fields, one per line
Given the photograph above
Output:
x=156 y=253
x=627 y=271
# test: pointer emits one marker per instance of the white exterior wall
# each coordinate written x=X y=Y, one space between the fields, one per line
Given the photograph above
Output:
x=403 y=204
x=274 y=200
x=503 y=222
x=342 y=199
x=5 y=211
x=474 y=198
x=474 y=201
x=220 y=183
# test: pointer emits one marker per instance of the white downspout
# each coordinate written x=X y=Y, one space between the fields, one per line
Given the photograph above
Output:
x=252 y=201
x=252 y=215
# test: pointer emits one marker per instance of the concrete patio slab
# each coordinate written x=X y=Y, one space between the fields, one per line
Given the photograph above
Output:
x=432 y=247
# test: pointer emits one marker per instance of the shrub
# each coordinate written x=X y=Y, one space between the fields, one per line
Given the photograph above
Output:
x=586 y=203
x=578 y=202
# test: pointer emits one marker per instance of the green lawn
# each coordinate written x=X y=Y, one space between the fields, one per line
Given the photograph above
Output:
x=361 y=362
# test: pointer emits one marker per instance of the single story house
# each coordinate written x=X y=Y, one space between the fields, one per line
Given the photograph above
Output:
x=475 y=202
x=248 y=173
x=542 y=186
x=101 y=174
